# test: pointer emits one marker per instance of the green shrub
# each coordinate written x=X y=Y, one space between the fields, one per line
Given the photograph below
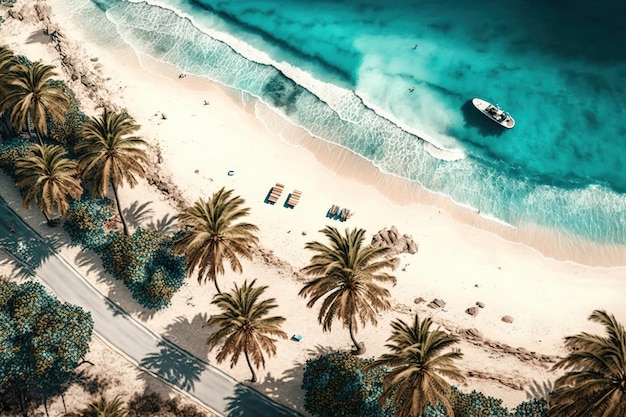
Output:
x=85 y=222
x=151 y=405
x=67 y=132
x=337 y=384
x=12 y=150
x=476 y=404
x=41 y=339
x=537 y=407
x=146 y=264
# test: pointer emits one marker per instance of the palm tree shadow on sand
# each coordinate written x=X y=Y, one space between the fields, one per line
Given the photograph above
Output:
x=190 y=334
x=174 y=365
x=137 y=213
x=141 y=214
x=538 y=389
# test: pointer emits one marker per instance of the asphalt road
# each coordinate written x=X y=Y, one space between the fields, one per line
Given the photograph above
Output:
x=149 y=351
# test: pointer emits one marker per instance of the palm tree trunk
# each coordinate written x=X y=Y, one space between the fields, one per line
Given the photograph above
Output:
x=39 y=137
x=214 y=275
x=359 y=348
x=45 y=405
x=22 y=406
x=119 y=210
x=245 y=352
x=28 y=122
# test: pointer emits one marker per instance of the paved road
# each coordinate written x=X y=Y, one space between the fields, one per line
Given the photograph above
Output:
x=148 y=350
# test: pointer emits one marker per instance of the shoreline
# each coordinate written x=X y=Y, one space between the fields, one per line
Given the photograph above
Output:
x=548 y=298
x=550 y=243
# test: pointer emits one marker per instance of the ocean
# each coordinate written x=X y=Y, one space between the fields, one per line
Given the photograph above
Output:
x=393 y=83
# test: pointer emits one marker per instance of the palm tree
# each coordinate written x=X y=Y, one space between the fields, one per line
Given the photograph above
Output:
x=213 y=235
x=32 y=96
x=244 y=326
x=110 y=155
x=103 y=408
x=595 y=383
x=346 y=274
x=417 y=364
x=7 y=61
x=49 y=178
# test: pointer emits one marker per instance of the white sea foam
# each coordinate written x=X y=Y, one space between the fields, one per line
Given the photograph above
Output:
x=358 y=120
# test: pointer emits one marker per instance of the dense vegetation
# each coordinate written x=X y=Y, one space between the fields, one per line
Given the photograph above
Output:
x=139 y=405
x=42 y=342
x=77 y=149
x=340 y=384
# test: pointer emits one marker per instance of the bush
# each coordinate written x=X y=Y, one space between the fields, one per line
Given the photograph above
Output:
x=476 y=404
x=146 y=264
x=67 y=132
x=537 y=407
x=152 y=405
x=12 y=150
x=337 y=384
x=85 y=222
x=41 y=339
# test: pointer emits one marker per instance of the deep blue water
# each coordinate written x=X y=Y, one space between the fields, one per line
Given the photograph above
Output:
x=558 y=67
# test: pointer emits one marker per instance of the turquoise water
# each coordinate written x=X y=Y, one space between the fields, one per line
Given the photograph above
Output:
x=558 y=67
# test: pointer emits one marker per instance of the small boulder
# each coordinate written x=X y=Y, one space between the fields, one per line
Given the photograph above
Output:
x=507 y=319
x=438 y=303
x=472 y=311
x=480 y=304
x=419 y=300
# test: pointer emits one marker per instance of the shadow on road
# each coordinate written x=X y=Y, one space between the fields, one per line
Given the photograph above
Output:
x=174 y=366
x=29 y=251
x=248 y=402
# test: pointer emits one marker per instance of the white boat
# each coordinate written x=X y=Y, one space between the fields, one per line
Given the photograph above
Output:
x=494 y=112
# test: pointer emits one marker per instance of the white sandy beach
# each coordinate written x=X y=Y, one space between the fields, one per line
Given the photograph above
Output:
x=462 y=258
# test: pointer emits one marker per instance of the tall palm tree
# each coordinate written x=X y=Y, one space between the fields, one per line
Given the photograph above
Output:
x=49 y=178
x=213 y=234
x=32 y=96
x=244 y=326
x=110 y=155
x=595 y=383
x=417 y=364
x=7 y=61
x=103 y=408
x=347 y=273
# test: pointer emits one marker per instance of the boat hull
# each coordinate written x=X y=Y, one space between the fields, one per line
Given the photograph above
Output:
x=494 y=113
